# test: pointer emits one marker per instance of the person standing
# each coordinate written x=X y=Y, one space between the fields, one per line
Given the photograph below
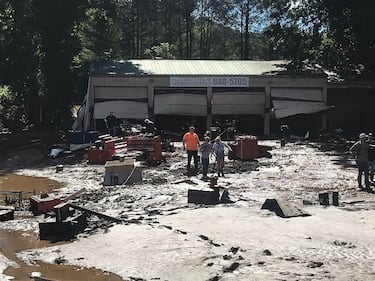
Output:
x=371 y=158
x=205 y=149
x=219 y=150
x=360 y=150
x=111 y=122
x=190 y=142
x=150 y=126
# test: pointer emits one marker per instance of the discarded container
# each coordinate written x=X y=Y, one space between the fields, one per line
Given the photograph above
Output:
x=99 y=156
x=43 y=204
x=247 y=147
x=324 y=199
x=63 y=230
x=335 y=198
x=122 y=172
x=59 y=168
x=213 y=181
x=208 y=197
x=6 y=213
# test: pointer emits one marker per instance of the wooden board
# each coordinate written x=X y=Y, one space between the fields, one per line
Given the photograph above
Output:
x=283 y=209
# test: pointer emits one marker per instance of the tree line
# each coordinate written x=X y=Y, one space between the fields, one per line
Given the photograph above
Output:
x=46 y=46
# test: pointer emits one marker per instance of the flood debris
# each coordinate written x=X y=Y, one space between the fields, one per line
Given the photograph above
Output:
x=37 y=276
x=324 y=198
x=56 y=152
x=122 y=172
x=245 y=148
x=59 y=168
x=142 y=147
x=284 y=209
x=6 y=213
x=209 y=195
x=44 y=203
x=16 y=198
x=66 y=225
x=67 y=221
x=79 y=140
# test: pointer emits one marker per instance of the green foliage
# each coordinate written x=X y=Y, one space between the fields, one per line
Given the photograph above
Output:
x=12 y=111
x=160 y=51
x=46 y=46
x=99 y=36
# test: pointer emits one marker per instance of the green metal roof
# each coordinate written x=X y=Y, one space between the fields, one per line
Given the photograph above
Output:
x=187 y=67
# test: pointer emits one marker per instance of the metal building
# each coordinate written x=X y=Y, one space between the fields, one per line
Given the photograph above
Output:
x=139 y=89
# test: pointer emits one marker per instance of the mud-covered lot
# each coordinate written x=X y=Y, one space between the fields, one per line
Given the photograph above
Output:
x=162 y=237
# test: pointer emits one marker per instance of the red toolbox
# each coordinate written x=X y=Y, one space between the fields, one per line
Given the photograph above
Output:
x=99 y=156
x=247 y=147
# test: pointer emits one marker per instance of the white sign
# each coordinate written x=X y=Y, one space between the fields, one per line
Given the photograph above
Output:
x=221 y=81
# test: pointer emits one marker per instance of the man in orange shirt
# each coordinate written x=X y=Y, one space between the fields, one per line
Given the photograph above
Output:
x=190 y=143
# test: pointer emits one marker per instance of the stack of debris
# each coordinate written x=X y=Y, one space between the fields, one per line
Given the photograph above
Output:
x=106 y=147
x=6 y=213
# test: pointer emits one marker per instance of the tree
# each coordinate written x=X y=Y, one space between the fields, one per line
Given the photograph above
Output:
x=58 y=45
x=12 y=111
x=160 y=51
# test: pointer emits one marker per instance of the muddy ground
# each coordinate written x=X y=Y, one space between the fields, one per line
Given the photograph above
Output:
x=222 y=242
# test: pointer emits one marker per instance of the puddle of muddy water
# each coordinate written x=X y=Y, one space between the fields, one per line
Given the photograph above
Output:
x=12 y=242
x=11 y=184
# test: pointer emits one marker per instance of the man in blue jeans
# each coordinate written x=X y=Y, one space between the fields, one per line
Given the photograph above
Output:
x=219 y=150
x=360 y=150
x=205 y=149
x=371 y=158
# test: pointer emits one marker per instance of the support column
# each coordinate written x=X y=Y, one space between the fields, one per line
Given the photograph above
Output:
x=267 y=116
x=209 y=108
x=89 y=106
x=151 y=95
x=267 y=124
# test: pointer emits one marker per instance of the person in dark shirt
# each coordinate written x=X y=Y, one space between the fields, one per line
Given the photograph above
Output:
x=150 y=126
x=111 y=123
x=360 y=150
x=371 y=158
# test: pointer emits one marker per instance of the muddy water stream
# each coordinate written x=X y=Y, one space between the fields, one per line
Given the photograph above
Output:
x=12 y=242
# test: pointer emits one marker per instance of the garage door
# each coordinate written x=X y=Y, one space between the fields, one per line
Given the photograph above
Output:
x=121 y=109
x=241 y=103
x=109 y=92
x=180 y=104
x=293 y=101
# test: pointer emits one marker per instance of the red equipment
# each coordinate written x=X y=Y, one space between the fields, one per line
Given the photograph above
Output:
x=152 y=147
x=43 y=204
x=246 y=147
x=105 y=148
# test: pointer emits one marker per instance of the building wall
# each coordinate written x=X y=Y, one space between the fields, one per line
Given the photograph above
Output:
x=139 y=97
